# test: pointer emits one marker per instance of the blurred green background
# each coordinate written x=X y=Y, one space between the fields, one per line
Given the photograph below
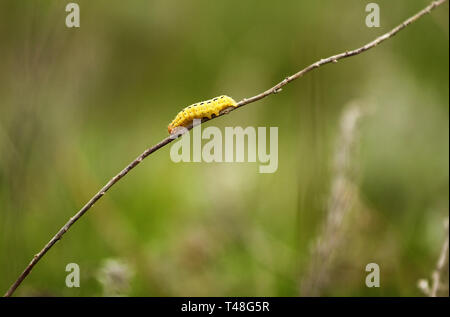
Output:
x=77 y=105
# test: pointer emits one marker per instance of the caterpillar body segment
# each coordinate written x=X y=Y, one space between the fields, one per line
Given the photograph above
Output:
x=199 y=110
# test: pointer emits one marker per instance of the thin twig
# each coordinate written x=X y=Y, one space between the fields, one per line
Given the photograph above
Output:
x=273 y=90
x=436 y=285
x=443 y=258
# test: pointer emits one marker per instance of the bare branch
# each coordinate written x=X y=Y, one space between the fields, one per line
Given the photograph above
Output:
x=275 y=89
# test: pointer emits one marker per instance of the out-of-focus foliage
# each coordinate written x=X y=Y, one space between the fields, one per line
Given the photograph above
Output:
x=76 y=105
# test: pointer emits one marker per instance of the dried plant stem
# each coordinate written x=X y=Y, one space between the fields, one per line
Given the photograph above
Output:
x=273 y=90
x=443 y=259
x=343 y=196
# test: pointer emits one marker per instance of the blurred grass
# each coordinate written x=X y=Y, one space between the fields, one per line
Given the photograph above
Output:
x=76 y=105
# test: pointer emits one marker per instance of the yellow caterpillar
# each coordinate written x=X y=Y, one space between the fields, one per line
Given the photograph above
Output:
x=199 y=110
